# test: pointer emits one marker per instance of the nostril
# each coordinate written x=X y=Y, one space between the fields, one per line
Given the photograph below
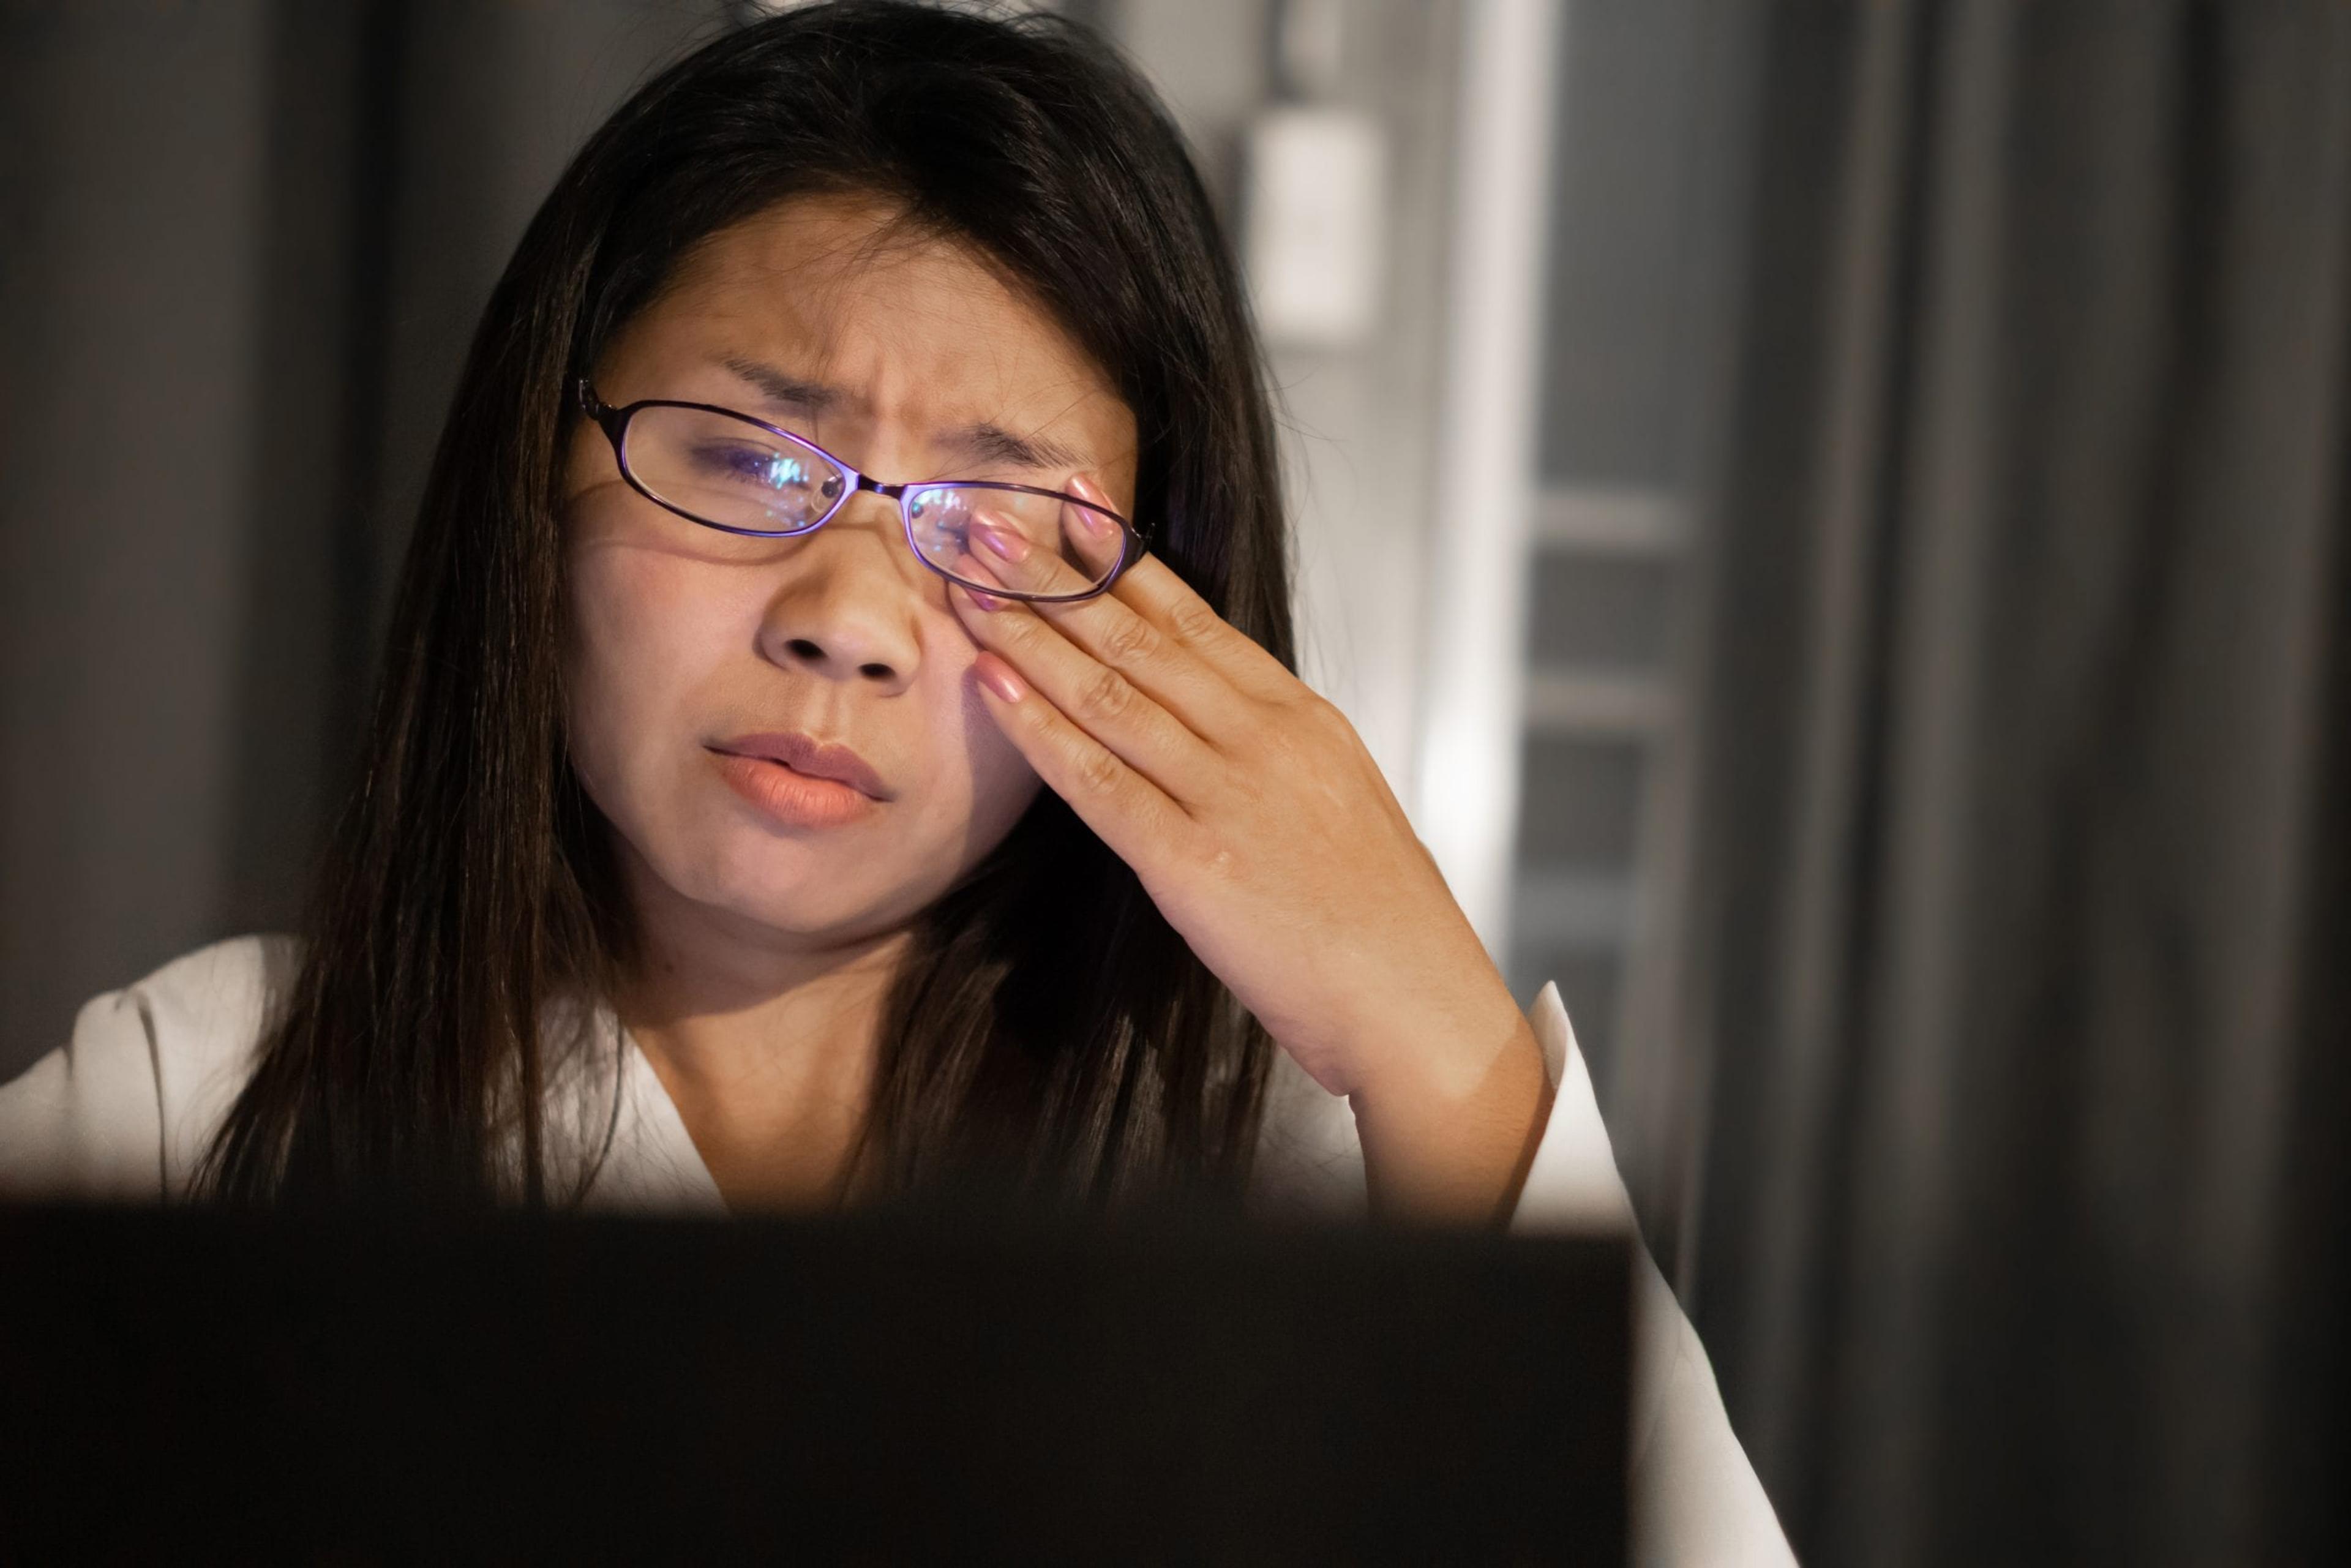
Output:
x=879 y=672
x=803 y=649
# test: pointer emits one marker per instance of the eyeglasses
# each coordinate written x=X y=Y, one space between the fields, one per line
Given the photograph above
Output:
x=742 y=475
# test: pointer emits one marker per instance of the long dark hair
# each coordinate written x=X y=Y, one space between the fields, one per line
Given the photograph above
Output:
x=1046 y=1022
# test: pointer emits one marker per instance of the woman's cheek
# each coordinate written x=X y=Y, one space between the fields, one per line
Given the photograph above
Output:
x=1002 y=782
x=629 y=652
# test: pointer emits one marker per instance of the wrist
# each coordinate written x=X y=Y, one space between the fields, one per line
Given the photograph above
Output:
x=1434 y=1050
x=1448 y=1129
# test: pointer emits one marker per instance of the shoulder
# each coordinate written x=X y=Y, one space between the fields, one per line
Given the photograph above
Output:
x=125 y=1107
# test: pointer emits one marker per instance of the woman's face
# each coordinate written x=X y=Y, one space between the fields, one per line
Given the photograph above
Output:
x=703 y=666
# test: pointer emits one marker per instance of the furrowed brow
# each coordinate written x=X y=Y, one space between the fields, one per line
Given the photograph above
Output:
x=809 y=397
x=994 y=444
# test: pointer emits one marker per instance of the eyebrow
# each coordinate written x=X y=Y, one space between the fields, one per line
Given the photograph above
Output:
x=994 y=444
x=979 y=443
x=814 y=397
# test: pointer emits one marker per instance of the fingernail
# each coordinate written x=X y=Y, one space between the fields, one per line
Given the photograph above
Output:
x=998 y=676
x=1096 y=523
x=1003 y=542
x=985 y=600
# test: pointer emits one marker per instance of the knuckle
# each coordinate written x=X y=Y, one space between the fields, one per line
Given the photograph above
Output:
x=1194 y=621
x=1130 y=642
x=1317 y=716
x=1096 y=770
x=1292 y=724
x=1105 y=696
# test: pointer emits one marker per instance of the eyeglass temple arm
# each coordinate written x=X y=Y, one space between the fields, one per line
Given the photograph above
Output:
x=601 y=414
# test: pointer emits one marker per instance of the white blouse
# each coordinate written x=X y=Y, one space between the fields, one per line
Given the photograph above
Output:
x=127 y=1107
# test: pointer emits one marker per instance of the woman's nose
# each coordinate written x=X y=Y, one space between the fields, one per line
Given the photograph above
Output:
x=848 y=609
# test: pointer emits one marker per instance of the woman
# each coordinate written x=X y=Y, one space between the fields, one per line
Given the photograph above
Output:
x=742 y=827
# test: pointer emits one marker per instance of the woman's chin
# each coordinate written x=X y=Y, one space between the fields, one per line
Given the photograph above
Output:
x=806 y=895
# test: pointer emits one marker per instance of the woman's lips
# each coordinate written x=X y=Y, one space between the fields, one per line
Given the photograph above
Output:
x=809 y=758
x=793 y=796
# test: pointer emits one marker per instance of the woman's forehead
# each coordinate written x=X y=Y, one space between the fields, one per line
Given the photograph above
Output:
x=883 y=319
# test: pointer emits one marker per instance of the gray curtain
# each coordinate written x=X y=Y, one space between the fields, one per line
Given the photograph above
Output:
x=242 y=246
x=2015 y=1053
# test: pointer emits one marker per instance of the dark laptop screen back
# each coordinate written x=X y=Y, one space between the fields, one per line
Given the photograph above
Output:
x=889 y=1388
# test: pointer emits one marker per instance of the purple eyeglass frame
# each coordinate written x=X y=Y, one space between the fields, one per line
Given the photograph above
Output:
x=614 y=422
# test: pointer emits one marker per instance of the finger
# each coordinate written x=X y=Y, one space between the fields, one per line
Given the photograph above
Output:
x=1164 y=669
x=1126 y=811
x=1000 y=551
x=1097 y=534
x=1100 y=699
x=1053 y=544
x=1171 y=621
x=1152 y=589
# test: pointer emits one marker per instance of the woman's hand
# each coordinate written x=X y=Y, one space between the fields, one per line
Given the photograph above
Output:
x=1262 y=828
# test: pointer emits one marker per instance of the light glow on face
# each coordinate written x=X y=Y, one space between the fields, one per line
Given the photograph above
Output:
x=912 y=358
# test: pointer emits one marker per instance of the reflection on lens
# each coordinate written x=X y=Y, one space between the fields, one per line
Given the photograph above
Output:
x=729 y=471
x=941 y=523
x=1087 y=544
